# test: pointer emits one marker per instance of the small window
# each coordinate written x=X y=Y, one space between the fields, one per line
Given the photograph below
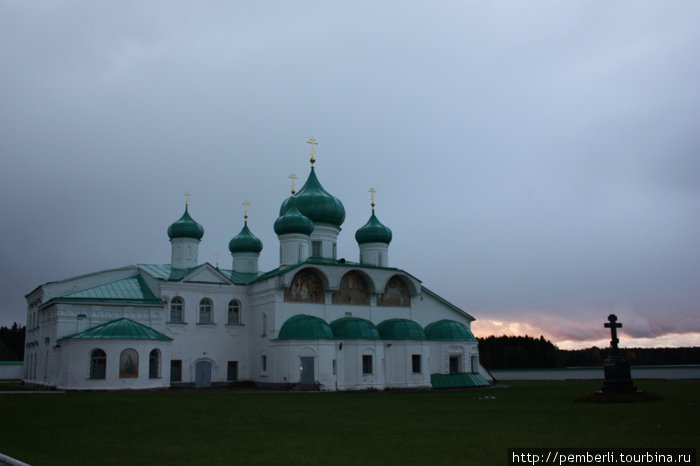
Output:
x=234 y=312
x=367 y=364
x=316 y=248
x=232 y=373
x=176 y=370
x=98 y=364
x=176 y=306
x=153 y=364
x=263 y=363
x=299 y=251
x=335 y=367
x=454 y=364
x=205 y=311
x=415 y=363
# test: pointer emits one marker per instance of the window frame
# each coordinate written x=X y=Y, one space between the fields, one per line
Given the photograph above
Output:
x=176 y=364
x=180 y=303
x=416 y=363
x=367 y=364
x=234 y=312
x=206 y=305
x=98 y=364
x=154 y=364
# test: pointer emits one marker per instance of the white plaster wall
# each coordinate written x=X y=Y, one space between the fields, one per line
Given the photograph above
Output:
x=374 y=254
x=75 y=364
x=441 y=351
x=328 y=235
x=184 y=252
x=245 y=262
x=399 y=363
x=351 y=376
x=289 y=248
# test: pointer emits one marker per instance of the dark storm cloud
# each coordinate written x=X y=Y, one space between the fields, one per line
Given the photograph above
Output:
x=536 y=161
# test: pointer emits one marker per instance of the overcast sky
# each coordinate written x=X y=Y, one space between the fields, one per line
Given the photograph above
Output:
x=538 y=162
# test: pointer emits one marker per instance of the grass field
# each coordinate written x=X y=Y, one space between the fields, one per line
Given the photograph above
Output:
x=442 y=427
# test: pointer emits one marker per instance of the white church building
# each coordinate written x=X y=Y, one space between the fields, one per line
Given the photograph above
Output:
x=313 y=322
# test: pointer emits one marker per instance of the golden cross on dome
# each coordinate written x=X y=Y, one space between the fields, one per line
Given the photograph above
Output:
x=187 y=199
x=293 y=177
x=217 y=259
x=313 y=143
x=372 y=190
x=245 y=210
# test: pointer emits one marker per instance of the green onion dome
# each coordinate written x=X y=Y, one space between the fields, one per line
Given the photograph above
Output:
x=354 y=328
x=448 y=330
x=185 y=227
x=401 y=329
x=373 y=232
x=305 y=327
x=316 y=203
x=293 y=221
x=245 y=241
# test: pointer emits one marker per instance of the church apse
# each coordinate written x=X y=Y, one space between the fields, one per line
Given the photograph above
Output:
x=395 y=294
x=306 y=287
x=353 y=290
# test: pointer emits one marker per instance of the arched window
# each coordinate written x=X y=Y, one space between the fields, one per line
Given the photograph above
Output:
x=153 y=364
x=98 y=364
x=234 y=312
x=176 y=307
x=205 y=307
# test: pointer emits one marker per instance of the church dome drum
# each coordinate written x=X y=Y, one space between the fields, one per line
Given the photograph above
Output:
x=185 y=227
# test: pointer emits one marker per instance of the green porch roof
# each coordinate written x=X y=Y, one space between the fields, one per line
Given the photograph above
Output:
x=354 y=328
x=305 y=327
x=131 y=289
x=457 y=380
x=401 y=329
x=124 y=329
x=448 y=330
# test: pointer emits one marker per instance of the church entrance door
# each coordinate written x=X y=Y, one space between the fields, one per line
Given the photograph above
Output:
x=202 y=374
x=306 y=376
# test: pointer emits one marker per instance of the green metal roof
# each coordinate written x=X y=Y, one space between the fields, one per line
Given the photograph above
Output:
x=125 y=329
x=305 y=327
x=354 y=328
x=293 y=221
x=448 y=330
x=185 y=227
x=457 y=380
x=373 y=232
x=131 y=289
x=401 y=329
x=316 y=203
x=245 y=241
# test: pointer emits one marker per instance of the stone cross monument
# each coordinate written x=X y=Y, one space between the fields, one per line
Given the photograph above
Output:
x=615 y=366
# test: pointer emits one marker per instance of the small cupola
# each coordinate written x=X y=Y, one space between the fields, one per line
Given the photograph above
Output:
x=245 y=247
x=293 y=229
x=185 y=235
x=374 y=238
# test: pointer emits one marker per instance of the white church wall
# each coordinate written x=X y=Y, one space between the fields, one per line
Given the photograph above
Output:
x=75 y=364
x=352 y=376
x=432 y=310
x=399 y=363
x=466 y=351
x=285 y=359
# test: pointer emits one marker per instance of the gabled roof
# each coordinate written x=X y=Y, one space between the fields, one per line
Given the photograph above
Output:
x=168 y=273
x=132 y=290
x=124 y=329
x=432 y=294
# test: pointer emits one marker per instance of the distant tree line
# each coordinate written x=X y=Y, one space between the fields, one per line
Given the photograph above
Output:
x=12 y=343
x=531 y=353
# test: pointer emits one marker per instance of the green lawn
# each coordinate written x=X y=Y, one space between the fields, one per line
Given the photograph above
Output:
x=450 y=427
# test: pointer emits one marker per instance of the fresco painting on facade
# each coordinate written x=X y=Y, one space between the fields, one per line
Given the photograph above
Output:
x=306 y=287
x=395 y=294
x=129 y=364
x=353 y=290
